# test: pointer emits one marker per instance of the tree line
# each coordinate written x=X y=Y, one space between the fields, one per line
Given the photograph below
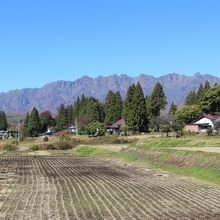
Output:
x=136 y=109
x=141 y=113
x=205 y=100
x=90 y=113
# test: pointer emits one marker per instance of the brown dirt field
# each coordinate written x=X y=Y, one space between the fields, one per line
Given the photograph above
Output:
x=94 y=188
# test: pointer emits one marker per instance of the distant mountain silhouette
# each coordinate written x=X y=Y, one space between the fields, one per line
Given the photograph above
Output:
x=50 y=96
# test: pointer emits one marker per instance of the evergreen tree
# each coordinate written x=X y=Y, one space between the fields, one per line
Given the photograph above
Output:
x=70 y=115
x=88 y=110
x=140 y=120
x=191 y=98
x=156 y=101
x=83 y=105
x=34 y=123
x=199 y=93
x=128 y=108
x=202 y=90
x=25 y=130
x=3 y=121
x=134 y=111
x=94 y=110
x=207 y=86
x=77 y=108
x=62 y=120
x=113 y=107
x=173 y=109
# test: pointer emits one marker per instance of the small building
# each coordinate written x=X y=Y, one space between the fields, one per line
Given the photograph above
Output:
x=204 y=124
x=192 y=128
x=117 y=125
x=51 y=130
x=4 y=134
x=72 y=129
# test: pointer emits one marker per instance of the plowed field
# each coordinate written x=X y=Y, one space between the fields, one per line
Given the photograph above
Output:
x=91 y=188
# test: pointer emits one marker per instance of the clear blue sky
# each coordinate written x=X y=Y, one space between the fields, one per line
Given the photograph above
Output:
x=48 y=40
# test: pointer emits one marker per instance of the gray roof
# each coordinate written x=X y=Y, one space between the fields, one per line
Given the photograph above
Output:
x=118 y=124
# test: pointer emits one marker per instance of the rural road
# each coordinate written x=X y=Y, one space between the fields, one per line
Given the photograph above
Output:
x=203 y=149
x=93 y=188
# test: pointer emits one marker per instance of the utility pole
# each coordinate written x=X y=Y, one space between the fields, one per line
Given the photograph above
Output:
x=76 y=127
x=18 y=129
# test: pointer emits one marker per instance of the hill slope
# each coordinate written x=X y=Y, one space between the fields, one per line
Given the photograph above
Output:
x=50 y=96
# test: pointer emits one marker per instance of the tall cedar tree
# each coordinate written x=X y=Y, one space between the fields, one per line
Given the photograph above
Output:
x=156 y=101
x=134 y=111
x=70 y=115
x=202 y=90
x=199 y=93
x=62 y=120
x=207 y=86
x=88 y=110
x=94 y=110
x=173 y=109
x=128 y=108
x=113 y=107
x=3 y=121
x=34 y=123
x=191 y=98
x=25 y=130
x=83 y=105
x=77 y=108
x=140 y=120
x=206 y=89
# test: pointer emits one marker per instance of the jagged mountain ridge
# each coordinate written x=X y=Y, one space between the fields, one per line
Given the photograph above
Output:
x=50 y=96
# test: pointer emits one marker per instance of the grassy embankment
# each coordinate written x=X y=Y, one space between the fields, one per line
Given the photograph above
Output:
x=159 y=153
x=8 y=145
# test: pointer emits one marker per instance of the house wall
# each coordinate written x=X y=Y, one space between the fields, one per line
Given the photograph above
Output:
x=192 y=128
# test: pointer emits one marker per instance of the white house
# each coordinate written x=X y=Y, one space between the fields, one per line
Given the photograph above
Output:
x=202 y=125
x=73 y=129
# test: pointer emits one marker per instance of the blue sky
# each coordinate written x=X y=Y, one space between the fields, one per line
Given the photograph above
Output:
x=47 y=40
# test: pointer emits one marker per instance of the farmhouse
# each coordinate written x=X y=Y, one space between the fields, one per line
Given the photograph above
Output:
x=73 y=129
x=51 y=129
x=3 y=134
x=207 y=122
x=117 y=125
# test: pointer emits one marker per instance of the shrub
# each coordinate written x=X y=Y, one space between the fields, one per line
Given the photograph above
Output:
x=64 y=136
x=54 y=146
x=9 y=147
x=189 y=133
x=63 y=146
x=93 y=128
x=35 y=148
x=50 y=147
x=14 y=142
x=117 y=140
x=209 y=132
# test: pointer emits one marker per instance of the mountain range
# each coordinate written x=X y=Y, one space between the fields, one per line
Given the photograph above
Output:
x=50 y=96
